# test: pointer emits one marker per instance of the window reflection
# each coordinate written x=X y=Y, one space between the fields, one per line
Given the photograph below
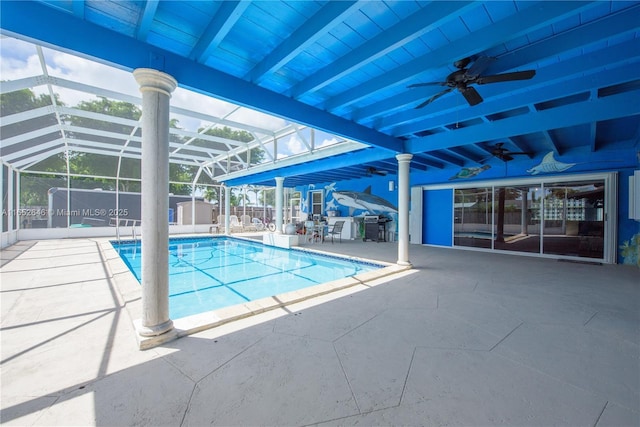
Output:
x=574 y=219
x=564 y=218
x=516 y=227
x=472 y=213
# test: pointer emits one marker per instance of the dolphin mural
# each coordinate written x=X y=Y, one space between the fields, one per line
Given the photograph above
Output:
x=549 y=165
x=363 y=200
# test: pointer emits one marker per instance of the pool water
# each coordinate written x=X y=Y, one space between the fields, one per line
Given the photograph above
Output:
x=214 y=272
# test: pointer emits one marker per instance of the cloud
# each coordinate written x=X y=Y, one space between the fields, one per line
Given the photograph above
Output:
x=20 y=60
x=327 y=142
x=293 y=146
x=92 y=73
x=258 y=119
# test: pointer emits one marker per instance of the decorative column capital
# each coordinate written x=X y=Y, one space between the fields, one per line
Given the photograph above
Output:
x=154 y=80
x=404 y=157
x=279 y=179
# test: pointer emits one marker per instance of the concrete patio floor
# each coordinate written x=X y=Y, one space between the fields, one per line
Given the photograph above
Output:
x=466 y=338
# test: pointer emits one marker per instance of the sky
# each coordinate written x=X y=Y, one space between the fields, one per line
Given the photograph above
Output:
x=19 y=59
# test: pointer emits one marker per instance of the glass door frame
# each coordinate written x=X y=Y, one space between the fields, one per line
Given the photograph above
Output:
x=610 y=208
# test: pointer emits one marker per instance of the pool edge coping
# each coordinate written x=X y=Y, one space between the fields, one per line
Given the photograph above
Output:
x=130 y=294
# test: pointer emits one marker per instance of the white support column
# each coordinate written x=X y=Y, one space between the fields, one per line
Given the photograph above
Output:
x=403 y=208
x=11 y=207
x=18 y=221
x=279 y=200
x=2 y=207
x=156 y=88
x=227 y=209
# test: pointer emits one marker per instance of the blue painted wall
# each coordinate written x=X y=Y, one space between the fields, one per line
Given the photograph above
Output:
x=377 y=186
x=437 y=228
x=623 y=161
x=437 y=215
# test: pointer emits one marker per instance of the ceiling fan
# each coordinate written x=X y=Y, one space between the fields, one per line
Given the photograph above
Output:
x=498 y=151
x=464 y=77
x=373 y=171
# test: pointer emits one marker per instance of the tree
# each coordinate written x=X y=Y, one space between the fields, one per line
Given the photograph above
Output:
x=257 y=154
x=210 y=193
x=33 y=187
x=268 y=197
x=96 y=164
x=23 y=100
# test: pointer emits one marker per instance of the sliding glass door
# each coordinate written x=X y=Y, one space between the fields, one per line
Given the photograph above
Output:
x=516 y=226
x=552 y=217
x=574 y=219
x=472 y=217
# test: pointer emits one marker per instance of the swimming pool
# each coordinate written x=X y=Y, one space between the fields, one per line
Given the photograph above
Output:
x=214 y=272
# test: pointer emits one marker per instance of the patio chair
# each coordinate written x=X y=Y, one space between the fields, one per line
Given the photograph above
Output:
x=220 y=222
x=258 y=224
x=310 y=231
x=234 y=224
x=247 y=225
x=336 y=230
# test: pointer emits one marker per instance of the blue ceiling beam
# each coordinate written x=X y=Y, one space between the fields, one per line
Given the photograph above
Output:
x=425 y=20
x=594 y=32
x=447 y=158
x=619 y=23
x=50 y=26
x=146 y=19
x=78 y=7
x=550 y=142
x=607 y=108
x=593 y=127
x=534 y=96
x=533 y=18
x=223 y=21
x=545 y=90
x=311 y=30
x=355 y=158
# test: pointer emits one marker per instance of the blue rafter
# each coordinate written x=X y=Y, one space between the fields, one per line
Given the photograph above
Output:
x=607 y=108
x=146 y=19
x=544 y=93
x=336 y=162
x=323 y=21
x=78 y=7
x=594 y=32
x=218 y=28
x=508 y=29
x=70 y=33
x=416 y=25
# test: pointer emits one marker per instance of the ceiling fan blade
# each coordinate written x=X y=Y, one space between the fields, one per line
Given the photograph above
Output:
x=373 y=171
x=506 y=157
x=479 y=66
x=471 y=95
x=526 y=153
x=426 y=84
x=486 y=159
x=506 y=77
x=434 y=97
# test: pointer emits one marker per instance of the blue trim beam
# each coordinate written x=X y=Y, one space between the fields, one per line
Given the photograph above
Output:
x=608 y=108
